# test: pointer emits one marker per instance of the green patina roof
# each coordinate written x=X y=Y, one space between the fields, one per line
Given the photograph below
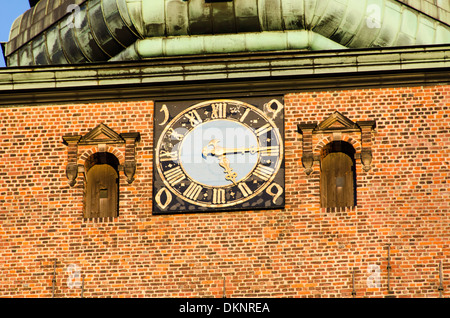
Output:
x=82 y=31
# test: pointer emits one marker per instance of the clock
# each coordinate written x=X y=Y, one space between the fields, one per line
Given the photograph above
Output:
x=218 y=155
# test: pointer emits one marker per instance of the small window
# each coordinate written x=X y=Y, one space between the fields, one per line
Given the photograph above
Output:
x=338 y=177
x=102 y=186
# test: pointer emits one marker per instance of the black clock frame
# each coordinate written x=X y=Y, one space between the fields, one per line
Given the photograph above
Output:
x=271 y=197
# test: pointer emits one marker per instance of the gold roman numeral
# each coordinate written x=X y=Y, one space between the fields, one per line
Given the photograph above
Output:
x=263 y=172
x=263 y=129
x=193 y=191
x=218 y=196
x=269 y=151
x=244 y=115
x=174 y=175
x=168 y=156
x=194 y=118
x=219 y=110
x=244 y=189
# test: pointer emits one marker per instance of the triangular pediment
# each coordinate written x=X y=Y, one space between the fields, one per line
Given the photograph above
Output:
x=101 y=134
x=336 y=121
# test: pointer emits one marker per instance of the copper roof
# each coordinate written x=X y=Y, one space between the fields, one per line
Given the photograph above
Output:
x=83 y=31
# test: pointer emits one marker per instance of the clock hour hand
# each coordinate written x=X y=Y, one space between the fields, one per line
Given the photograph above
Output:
x=230 y=174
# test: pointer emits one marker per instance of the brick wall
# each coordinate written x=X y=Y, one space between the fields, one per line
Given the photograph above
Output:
x=301 y=251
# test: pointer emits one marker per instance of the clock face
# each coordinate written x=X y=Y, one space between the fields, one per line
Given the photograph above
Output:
x=218 y=155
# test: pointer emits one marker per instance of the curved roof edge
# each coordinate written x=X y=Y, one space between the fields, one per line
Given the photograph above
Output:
x=82 y=31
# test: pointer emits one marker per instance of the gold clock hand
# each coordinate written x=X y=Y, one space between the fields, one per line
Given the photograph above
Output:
x=214 y=151
x=230 y=174
x=252 y=150
x=218 y=151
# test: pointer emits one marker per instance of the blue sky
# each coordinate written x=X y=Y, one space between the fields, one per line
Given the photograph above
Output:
x=10 y=10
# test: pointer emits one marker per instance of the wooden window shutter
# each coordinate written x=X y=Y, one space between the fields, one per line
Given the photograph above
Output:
x=101 y=191
x=337 y=180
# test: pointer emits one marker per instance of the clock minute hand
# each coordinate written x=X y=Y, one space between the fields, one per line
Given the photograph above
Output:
x=252 y=150
x=219 y=151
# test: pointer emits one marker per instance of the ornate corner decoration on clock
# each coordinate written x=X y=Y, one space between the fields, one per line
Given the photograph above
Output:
x=334 y=127
x=101 y=136
x=218 y=155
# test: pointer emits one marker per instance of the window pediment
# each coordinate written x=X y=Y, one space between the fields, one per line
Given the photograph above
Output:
x=336 y=122
x=333 y=126
x=101 y=134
